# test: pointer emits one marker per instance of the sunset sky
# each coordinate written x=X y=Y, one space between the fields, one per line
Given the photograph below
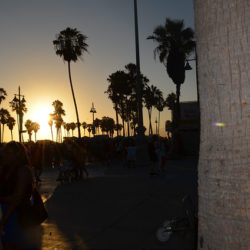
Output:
x=28 y=59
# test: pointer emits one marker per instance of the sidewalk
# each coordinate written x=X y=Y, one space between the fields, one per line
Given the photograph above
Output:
x=119 y=208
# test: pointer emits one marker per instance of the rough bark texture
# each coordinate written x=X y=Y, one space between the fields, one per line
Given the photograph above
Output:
x=223 y=48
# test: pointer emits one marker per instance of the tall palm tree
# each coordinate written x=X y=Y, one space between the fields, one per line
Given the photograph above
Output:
x=3 y=95
x=70 y=44
x=11 y=122
x=4 y=116
x=29 y=126
x=84 y=126
x=36 y=127
x=175 y=44
x=222 y=31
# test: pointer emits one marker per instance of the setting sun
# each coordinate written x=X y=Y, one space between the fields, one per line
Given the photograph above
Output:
x=41 y=116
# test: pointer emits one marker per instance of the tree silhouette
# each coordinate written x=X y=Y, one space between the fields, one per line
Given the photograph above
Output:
x=89 y=128
x=3 y=95
x=50 y=123
x=84 y=126
x=29 y=126
x=72 y=127
x=11 y=122
x=70 y=45
x=150 y=96
x=35 y=127
x=57 y=118
x=4 y=116
x=159 y=105
x=175 y=43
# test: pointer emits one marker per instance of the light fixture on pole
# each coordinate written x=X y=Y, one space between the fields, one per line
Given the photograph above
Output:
x=188 y=67
x=93 y=111
x=19 y=105
x=141 y=143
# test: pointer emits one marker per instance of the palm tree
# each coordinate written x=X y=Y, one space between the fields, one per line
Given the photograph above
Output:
x=89 y=128
x=72 y=127
x=57 y=117
x=11 y=122
x=168 y=128
x=149 y=96
x=97 y=123
x=68 y=126
x=175 y=44
x=84 y=126
x=223 y=172
x=71 y=44
x=170 y=103
x=4 y=116
x=29 y=126
x=50 y=123
x=58 y=124
x=3 y=95
x=36 y=127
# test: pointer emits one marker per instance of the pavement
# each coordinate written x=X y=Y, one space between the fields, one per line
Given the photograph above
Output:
x=117 y=207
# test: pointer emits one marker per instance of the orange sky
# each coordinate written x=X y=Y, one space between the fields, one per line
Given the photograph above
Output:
x=28 y=58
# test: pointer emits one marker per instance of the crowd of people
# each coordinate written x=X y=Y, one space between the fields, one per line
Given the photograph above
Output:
x=21 y=166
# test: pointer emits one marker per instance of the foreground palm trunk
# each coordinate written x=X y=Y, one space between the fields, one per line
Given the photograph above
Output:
x=223 y=45
x=73 y=94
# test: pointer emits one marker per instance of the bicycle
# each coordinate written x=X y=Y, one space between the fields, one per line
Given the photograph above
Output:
x=179 y=224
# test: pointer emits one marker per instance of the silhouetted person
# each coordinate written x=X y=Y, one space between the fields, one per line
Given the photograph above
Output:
x=15 y=193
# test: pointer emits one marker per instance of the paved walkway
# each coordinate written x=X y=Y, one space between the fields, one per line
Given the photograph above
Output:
x=117 y=208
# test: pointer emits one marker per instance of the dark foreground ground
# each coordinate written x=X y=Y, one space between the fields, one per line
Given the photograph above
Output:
x=117 y=207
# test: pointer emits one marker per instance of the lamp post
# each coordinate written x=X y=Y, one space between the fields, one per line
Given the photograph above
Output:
x=188 y=67
x=141 y=143
x=19 y=103
x=93 y=111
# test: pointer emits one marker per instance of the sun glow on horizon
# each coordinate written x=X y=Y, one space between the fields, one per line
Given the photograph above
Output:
x=41 y=116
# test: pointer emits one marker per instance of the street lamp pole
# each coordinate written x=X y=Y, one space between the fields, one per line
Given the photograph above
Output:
x=188 y=67
x=93 y=111
x=18 y=102
x=141 y=144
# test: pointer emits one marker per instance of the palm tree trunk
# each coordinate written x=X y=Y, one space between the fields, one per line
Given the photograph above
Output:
x=224 y=71
x=2 y=132
x=51 y=133
x=35 y=137
x=117 y=120
x=159 y=115
x=128 y=128
x=178 y=88
x=11 y=131
x=73 y=94
x=123 y=129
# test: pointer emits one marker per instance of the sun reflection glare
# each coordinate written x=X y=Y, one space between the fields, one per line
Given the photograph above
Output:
x=41 y=116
